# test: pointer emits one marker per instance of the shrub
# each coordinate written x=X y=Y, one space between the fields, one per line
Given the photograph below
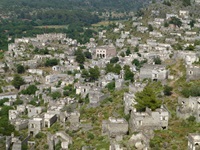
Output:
x=191 y=119
x=111 y=86
x=167 y=90
x=31 y=89
x=17 y=81
x=39 y=135
x=114 y=60
x=56 y=95
x=51 y=62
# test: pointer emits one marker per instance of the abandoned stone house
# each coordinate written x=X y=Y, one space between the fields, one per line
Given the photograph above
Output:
x=193 y=141
x=188 y=107
x=49 y=119
x=153 y=72
x=188 y=56
x=83 y=90
x=114 y=127
x=149 y=119
x=50 y=37
x=35 y=125
x=184 y=14
x=168 y=16
x=105 y=51
x=129 y=102
x=54 y=139
x=54 y=78
x=96 y=96
x=155 y=34
x=8 y=95
x=136 y=87
x=192 y=73
x=34 y=111
x=74 y=119
x=115 y=146
x=35 y=71
x=13 y=114
x=139 y=141
x=15 y=143
x=19 y=124
x=56 y=68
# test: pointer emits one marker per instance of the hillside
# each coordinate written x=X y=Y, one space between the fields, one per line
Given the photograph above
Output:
x=93 y=5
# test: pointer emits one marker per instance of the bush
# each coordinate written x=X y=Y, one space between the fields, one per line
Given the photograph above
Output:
x=191 y=119
x=2 y=101
x=157 y=60
x=114 y=60
x=56 y=95
x=122 y=54
x=111 y=86
x=186 y=3
x=88 y=55
x=175 y=21
x=190 y=48
x=39 y=135
x=51 y=62
x=17 y=81
x=18 y=102
x=30 y=90
x=167 y=90
x=193 y=90
x=20 y=68
x=167 y=3
x=128 y=52
x=90 y=136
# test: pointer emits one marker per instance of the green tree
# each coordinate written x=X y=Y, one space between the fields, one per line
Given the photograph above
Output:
x=190 y=48
x=176 y=21
x=51 y=62
x=114 y=60
x=150 y=28
x=166 y=2
x=191 y=90
x=122 y=54
x=166 y=24
x=2 y=101
x=20 y=68
x=85 y=73
x=94 y=73
x=56 y=95
x=1 y=91
x=31 y=89
x=6 y=68
x=192 y=22
x=167 y=90
x=117 y=69
x=18 y=102
x=186 y=3
x=157 y=60
x=17 y=81
x=136 y=49
x=113 y=68
x=177 y=47
x=128 y=51
x=80 y=58
x=136 y=62
x=88 y=55
x=147 y=98
x=111 y=86
x=128 y=74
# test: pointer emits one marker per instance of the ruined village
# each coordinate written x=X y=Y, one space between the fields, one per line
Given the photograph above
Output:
x=67 y=95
